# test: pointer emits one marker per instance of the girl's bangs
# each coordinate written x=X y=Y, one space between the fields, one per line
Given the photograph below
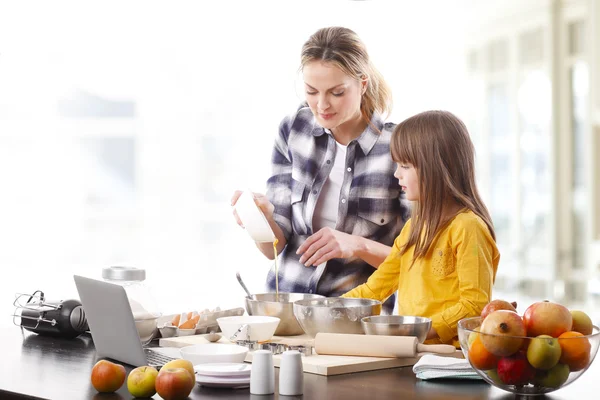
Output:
x=402 y=146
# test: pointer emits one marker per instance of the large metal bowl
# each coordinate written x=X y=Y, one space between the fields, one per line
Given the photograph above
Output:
x=334 y=314
x=281 y=307
x=397 y=325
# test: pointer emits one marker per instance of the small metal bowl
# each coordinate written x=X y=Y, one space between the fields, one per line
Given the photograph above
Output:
x=397 y=325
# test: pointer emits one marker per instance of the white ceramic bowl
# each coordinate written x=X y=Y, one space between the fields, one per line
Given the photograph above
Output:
x=253 y=219
x=147 y=327
x=214 y=353
x=261 y=327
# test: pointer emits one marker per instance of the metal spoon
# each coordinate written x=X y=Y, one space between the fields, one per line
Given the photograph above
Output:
x=239 y=278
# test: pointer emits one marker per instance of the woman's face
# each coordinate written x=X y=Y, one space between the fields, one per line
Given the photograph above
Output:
x=408 y=180
x=332 y=95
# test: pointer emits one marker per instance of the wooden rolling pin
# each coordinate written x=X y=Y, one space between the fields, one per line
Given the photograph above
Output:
x=343 y=344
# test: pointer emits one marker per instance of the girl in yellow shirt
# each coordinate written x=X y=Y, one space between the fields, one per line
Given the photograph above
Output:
x=444 y=261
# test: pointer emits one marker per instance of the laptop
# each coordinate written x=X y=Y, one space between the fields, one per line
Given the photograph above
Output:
x=112 y=326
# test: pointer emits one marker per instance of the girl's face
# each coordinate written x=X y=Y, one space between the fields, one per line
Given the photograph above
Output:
x=407 y=178
x=332 y=95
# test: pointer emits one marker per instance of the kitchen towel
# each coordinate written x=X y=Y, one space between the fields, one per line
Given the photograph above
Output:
x=432 y=366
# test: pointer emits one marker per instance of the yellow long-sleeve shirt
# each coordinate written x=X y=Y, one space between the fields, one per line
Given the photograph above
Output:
x=452 y=282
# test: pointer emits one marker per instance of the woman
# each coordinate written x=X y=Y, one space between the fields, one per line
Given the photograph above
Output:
x=332 y=200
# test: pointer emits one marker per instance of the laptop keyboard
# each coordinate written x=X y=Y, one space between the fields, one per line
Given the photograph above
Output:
x=156 y=359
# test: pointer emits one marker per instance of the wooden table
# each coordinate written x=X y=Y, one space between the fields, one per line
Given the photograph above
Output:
x=34 y=366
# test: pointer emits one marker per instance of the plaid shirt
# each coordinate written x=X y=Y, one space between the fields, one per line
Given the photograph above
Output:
x=370 y=204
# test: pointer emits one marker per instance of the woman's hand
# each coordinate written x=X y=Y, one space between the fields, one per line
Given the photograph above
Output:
x=261 y=201
x=326 y=244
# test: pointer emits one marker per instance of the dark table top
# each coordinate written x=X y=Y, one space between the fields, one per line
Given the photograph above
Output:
x=35 y=366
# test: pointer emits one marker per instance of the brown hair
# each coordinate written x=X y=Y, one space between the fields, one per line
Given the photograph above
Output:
x=438 y=145
x=343 y=48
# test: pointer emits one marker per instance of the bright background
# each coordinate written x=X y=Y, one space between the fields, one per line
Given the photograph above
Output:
x=125 y=127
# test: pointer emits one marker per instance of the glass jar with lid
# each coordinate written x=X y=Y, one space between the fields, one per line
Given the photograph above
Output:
x=143 y=306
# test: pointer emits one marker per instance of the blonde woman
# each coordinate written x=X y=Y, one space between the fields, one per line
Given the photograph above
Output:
x=444 y=262
x=332 y=199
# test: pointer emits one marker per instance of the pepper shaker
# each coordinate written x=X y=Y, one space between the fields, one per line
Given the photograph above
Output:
x=291 y=374
x=262 y=374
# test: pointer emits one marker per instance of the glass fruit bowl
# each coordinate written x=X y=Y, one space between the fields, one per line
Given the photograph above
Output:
x=527 y=365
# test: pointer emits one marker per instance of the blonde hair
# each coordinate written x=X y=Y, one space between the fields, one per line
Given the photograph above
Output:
x=438 y=145
x=344 y=49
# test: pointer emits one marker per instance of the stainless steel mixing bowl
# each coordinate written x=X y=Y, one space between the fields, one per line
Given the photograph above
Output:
x=397 y=325
x=334 y=314
x=281 y=307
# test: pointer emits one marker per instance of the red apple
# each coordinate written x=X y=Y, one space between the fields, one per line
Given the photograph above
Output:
x=174 y=383
x=515 y=370
x=107 y=377
x=503 y=333
x=496 y=305
x=182 y=363
x=547 y=318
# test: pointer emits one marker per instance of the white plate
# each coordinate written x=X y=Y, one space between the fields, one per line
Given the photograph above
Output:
x=253 y=219
x=217 y=381
x=223 y=369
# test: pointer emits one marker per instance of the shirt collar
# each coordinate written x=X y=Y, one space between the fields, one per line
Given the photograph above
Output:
x=366 y=140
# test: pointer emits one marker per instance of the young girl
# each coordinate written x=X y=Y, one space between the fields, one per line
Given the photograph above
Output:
x=444 y=261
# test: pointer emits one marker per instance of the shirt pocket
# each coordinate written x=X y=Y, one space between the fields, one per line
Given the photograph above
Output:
x=298 y=202
x=378 y=211
x=443 y=262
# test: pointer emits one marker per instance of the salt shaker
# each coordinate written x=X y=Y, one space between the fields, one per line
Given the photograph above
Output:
x=262 y=374
x=291 y=374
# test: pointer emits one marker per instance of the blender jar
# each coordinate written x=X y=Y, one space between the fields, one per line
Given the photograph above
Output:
x=143 y=306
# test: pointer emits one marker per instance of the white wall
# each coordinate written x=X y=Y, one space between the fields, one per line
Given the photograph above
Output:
x=220 y=71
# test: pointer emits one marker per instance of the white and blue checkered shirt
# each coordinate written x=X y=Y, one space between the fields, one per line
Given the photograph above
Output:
x=371 y=203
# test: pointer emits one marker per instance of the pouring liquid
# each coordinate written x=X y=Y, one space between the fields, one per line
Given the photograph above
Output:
x=276 y=270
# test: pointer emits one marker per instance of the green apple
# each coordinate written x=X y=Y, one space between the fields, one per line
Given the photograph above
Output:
x=472 y=336
x=493 y=375
x=555 y=377
x=543 y=352
x=141 y=380
x=582 y=323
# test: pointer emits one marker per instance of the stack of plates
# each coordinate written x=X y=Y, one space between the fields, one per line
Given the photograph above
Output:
x=224 y=375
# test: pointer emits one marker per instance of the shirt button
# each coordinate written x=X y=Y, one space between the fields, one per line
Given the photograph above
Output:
x=343 y=201
x=314 y=192
x=382 y=220
x=349 y=169
x=310 y=290
x=328 y=161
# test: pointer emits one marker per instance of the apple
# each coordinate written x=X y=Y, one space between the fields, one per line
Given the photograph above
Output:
x=107 y=377
x=555 y=377
x=503 y=333
x=543 y=352
x=496 y=305
x=547 y=318
x=174 y=383
x=493 y=375
x=515 y=370
x=140 y=381
x=181 y=363
x=472 y=336
x=582 y=323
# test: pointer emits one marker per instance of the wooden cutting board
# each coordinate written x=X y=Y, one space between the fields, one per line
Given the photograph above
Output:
x=315 y=364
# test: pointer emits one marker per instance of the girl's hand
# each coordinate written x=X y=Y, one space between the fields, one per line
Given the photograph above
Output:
x=261 y=201
x=326 y=244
